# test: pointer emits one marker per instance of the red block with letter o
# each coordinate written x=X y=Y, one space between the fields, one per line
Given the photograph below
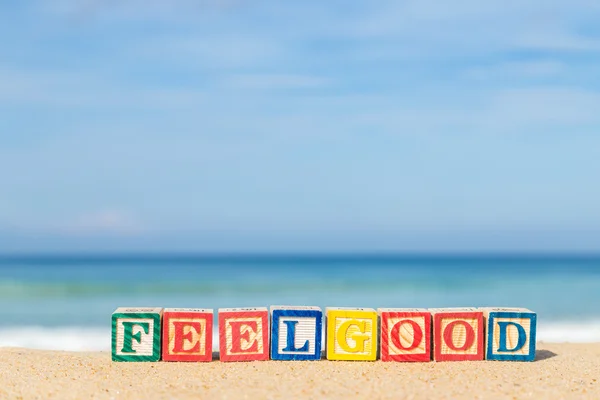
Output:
x=244 y=334
x=405 y=334
x=187 y=334
x=458 y=334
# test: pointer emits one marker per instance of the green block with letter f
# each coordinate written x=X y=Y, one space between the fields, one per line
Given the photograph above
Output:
x=136 y=334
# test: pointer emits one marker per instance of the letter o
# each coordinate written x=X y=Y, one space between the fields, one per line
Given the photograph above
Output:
x=469 y=337
x=417 y=335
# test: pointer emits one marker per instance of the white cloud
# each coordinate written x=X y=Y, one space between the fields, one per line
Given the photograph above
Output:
x=141 y=10
x=557 y=40
x=111 y=222
x=543 y=107
x=209 y=50
x=105 y=223
x=515 y=70
x=427 y=28
x=80 y=89
x=529 y=111
x=273 y=81
x=427 y=25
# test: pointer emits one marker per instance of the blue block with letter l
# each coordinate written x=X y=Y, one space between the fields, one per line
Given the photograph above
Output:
x=296 y=333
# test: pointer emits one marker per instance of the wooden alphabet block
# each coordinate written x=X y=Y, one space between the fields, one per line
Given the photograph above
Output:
x=296 y=333
x=187 y=334
x=136 y=334
x=244 y=334
x=405 y=334
x=351 y=334
x=511 y=334
x=458 y=334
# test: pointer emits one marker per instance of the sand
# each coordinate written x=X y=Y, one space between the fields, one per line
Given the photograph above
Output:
x=560 y=371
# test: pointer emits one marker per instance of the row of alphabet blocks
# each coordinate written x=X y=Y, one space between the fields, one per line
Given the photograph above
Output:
x=295 y=333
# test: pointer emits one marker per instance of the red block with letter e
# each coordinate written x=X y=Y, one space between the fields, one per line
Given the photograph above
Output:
x=458 y=334
x=187 y=334
x=405 y=334
x=244 y=334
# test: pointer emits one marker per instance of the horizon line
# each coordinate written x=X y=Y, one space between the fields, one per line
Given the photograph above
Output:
x=277 y=256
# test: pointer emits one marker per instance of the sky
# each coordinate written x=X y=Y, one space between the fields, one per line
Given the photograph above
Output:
x=264 y=126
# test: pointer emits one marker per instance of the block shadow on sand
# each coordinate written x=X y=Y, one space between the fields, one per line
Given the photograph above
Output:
x=544 y=355
x=540 y=355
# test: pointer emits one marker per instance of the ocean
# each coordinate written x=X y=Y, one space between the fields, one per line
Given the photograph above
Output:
x=66 y=302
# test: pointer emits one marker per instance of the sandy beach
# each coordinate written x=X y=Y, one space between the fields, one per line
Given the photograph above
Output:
x=560 y=371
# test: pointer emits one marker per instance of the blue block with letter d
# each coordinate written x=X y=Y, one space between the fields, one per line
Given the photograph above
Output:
x=510 y=334
x=296 y=333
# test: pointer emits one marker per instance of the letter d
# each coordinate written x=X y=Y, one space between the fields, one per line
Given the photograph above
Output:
x=503 y=326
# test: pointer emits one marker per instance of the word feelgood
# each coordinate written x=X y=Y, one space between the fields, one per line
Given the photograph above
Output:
x=295 y=333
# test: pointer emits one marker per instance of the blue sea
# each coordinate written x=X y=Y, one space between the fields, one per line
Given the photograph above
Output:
x=65 y=302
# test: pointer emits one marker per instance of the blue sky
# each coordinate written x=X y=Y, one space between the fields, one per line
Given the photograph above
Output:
x=297 y=126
